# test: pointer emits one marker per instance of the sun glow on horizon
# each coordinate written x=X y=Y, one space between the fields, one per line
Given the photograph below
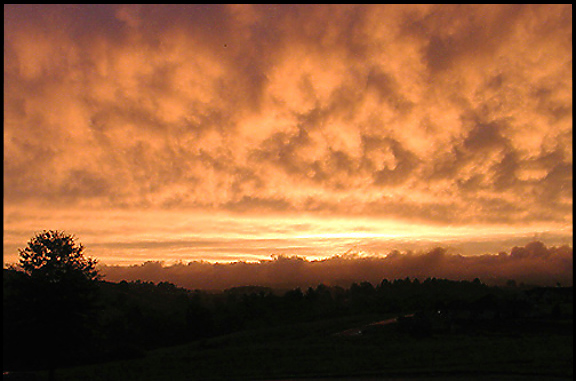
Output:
x=132 y=237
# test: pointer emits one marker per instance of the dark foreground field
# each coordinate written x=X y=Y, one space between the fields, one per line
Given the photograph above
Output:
x=314 y=350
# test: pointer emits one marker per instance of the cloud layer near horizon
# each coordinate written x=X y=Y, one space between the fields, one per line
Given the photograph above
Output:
x=436 y=114
x=531 y=264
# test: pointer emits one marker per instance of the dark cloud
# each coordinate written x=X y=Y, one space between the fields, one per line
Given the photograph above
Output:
x=83 y=184
x=258 y=205
x=477 y=34
x=405 y=163
x=505 y=172
x=532 y=264
x=485 y=137
x=388 y=89
x=281 y=149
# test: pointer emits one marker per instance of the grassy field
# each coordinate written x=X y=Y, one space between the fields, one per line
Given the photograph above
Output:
x=311 y=350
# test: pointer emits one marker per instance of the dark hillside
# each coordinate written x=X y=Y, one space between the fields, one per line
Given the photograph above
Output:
x=135 y=318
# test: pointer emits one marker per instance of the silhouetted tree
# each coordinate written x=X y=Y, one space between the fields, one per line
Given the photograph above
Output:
x=50 y=301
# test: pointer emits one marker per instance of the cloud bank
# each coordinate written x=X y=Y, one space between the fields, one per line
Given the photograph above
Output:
x=436 y=113
x=533 y=263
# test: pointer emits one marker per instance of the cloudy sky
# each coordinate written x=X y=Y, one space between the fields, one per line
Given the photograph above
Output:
x=223 y=133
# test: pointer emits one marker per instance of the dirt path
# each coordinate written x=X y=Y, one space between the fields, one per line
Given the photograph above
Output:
x=358 y=331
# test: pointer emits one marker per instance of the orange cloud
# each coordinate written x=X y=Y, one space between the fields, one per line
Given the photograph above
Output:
x=441 y=114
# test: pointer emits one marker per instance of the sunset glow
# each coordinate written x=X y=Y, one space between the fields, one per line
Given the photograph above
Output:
x=224 y=133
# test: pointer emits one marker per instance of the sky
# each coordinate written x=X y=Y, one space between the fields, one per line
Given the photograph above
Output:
x=223 y=133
